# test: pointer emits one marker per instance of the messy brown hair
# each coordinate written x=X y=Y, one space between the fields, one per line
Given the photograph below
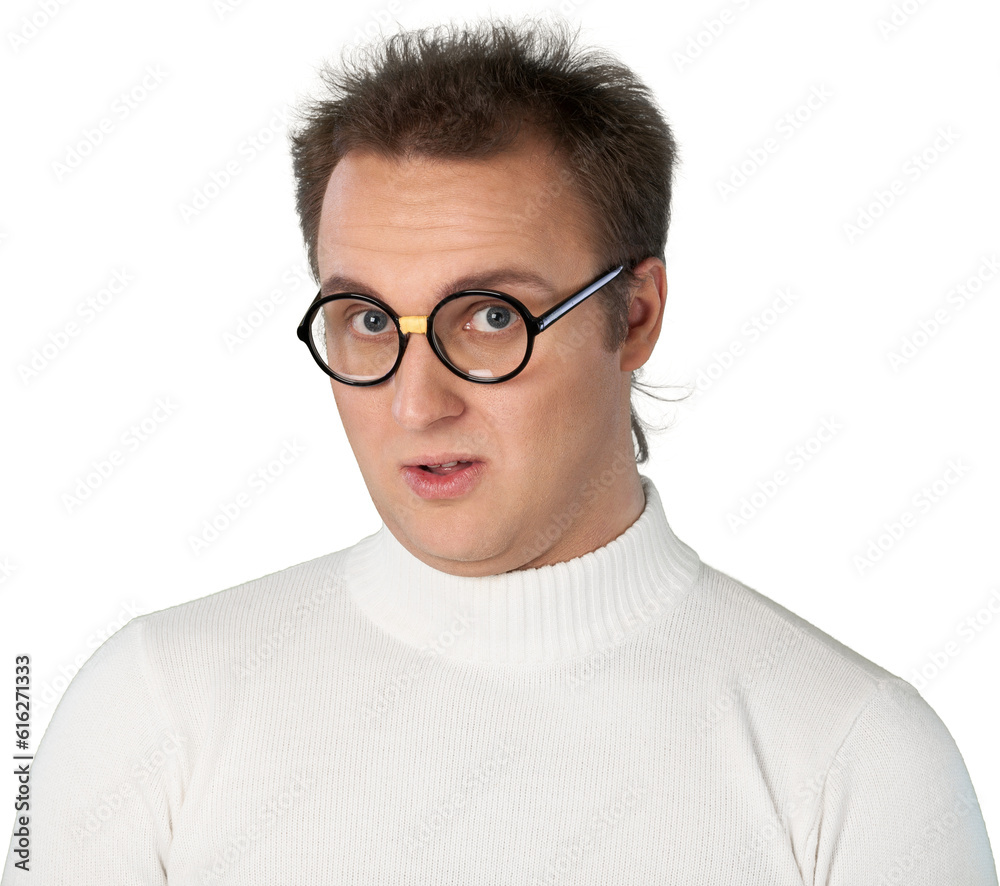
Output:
x=470 y=92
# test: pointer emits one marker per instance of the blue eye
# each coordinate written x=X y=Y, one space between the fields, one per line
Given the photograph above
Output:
x=373 y=321
x=493 y=317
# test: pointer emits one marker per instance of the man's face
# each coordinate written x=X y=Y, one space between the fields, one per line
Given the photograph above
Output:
x=543 y=444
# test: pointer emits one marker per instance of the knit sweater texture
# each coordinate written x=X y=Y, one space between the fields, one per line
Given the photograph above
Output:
x=631 y=716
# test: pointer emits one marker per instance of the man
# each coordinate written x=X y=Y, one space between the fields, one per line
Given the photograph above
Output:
x=524 y=676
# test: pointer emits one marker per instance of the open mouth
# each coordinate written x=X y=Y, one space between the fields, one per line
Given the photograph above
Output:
x=454 y=479
x=448 y=468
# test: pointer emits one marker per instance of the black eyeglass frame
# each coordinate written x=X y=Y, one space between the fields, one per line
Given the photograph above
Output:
x=533 y=325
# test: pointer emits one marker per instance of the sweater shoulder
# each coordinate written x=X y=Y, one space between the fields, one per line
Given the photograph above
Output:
x=203 y=656
x=210 y=634
x=209 y=646
x=758 y=634
x=796 y=688
x=802 y=704
x=269 y=596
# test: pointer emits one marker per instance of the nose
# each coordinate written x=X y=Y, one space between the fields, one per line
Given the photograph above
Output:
x=424 y=389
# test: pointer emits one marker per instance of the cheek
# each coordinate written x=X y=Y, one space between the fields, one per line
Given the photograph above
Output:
x=563 y=407
x=591 y=405
x=359 y=415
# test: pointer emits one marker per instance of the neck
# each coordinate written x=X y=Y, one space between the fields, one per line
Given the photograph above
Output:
x=549 y=614
x=615 y=507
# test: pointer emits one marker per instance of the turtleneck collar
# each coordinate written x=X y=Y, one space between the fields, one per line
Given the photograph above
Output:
x=548 y=614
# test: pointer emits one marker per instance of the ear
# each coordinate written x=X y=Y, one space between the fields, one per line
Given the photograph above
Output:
x=645 y=313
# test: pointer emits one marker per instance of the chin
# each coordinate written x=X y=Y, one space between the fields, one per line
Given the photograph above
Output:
x=450 y=537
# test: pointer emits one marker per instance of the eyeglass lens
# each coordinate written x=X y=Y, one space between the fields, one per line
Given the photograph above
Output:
x=478 y=334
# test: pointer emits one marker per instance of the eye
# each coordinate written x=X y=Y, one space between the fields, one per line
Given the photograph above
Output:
x=370 y=321
x=493 y=318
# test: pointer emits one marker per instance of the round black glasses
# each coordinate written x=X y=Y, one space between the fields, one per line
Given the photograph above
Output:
x=480 y=335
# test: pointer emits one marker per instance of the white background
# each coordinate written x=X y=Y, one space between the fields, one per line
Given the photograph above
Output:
x=217 y=74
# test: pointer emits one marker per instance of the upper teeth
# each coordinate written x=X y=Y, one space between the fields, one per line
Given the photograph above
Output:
x=447 y=464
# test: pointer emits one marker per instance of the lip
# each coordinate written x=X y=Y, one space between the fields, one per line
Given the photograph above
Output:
x=438 y=458
x=430 y=486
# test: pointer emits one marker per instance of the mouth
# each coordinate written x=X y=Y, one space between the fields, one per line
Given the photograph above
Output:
x=446 y=468
x=446 y=475
x=441 y=462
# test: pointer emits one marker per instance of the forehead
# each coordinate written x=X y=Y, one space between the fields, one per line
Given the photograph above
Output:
x=393 y=220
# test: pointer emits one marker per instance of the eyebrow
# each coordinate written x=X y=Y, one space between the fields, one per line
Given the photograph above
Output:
x=494 y=279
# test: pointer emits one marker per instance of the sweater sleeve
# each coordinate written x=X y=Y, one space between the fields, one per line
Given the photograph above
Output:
x=99 y=796
x=898 y=805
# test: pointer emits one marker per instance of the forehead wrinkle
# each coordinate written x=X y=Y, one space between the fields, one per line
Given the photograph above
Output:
x=434 y=219
x=336 y=241
x=382 y=250
x=413 y=240
x=492 y=278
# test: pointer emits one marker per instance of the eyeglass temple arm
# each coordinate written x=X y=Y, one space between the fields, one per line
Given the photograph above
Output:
x=550 y=317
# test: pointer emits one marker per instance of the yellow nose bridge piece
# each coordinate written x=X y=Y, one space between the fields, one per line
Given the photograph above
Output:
x=413 y=324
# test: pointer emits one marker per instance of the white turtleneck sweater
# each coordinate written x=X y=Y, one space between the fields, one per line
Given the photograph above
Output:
x=631 y=716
